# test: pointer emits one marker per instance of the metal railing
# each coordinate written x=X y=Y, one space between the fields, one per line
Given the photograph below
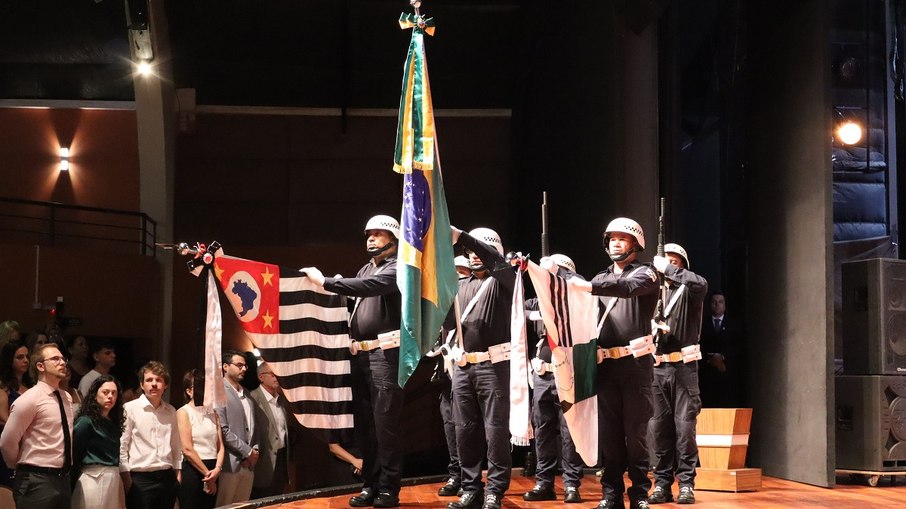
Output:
x=57 y=224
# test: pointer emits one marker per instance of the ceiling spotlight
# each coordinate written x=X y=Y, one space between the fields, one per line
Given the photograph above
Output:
x=64 y=159
x=143 y=67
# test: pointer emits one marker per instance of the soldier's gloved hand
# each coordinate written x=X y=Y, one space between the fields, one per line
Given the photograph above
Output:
x=661 y=263
x=455 y=233
x=315 y=275
x=546 y=263
x=580 y=284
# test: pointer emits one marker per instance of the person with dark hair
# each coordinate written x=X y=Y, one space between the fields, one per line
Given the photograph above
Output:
x=240 y=433
x=150 y=446
x=96 y=447
x=202 y=450
x=14 y=380
x=78 y=362
x=103 y=355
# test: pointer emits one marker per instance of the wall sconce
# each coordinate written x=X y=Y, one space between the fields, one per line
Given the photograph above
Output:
x=64 y=159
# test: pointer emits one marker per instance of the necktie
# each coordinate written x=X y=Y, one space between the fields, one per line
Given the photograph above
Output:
x=67 y=441
x=717 y=325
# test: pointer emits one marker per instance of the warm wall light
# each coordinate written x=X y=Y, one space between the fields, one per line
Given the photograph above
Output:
x=64 y=159
x=849 y=132
x=143 y=68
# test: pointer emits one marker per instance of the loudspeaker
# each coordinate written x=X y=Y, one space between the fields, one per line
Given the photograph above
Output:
x=870 y=420
x=874 y=317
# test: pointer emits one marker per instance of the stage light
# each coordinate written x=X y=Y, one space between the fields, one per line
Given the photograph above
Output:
x=849 y=132
x=64 y=159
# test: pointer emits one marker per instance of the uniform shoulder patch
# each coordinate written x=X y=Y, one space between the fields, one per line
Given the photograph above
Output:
x=650 y=273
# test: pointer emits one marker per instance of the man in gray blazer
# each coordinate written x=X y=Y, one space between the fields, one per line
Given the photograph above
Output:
x=237 y=422
x=272 y=469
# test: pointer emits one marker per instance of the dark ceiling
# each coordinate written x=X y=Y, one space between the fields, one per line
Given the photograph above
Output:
x=312 y=53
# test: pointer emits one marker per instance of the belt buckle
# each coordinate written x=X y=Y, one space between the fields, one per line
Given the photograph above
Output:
x=472 y=358
x=614 y=352
x=676 y=357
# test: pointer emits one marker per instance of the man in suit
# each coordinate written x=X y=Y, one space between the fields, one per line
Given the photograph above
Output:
x=272 y=469
x=237 y=423
x=720 y=370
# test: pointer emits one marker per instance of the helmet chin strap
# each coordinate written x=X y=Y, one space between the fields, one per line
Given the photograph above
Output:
x=619 y=257
x=379 y=250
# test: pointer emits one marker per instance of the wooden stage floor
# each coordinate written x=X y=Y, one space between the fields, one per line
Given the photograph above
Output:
x=775 y=493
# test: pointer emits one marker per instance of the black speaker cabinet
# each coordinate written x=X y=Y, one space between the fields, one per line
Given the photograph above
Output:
x=874 y=317
x=871 y=422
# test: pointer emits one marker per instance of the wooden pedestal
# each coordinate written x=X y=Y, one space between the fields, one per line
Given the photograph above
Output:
x=723 y=438
x=737 y=479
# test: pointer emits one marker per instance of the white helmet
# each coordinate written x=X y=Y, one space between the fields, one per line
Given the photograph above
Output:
x=381 y=222
x=626 y=225
x=461 y=261
x=564 y=261
x=488 y=236
x=679 y=251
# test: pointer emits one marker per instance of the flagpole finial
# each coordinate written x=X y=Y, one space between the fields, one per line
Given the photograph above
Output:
x=416 y=4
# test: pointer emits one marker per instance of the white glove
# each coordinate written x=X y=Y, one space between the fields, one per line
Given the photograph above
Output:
x=580 y=284
x=315 y=275
x=661 y=263
x=454 y=233
x=547 y=264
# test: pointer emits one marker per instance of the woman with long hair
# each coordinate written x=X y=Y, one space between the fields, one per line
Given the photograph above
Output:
x=14 y=380
x=202 y=450
x=96 y=448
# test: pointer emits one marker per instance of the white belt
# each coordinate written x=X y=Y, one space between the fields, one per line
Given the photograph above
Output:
x=385 y=341
x=669 y=357
x=687 y=354
x=495 y=354
x=542 y=367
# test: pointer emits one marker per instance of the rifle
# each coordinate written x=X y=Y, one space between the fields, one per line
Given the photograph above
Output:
x=659 y=324
x=545 y=242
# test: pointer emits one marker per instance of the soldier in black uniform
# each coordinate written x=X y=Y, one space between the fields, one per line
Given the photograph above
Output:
x=677 y=402
x=628 y=291
x=552 y=438
x=376 y=312
x=481 y=380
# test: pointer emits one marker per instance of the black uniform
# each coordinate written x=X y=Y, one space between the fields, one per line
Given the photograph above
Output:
x=378 y=311
x=722 y=389
x=481 y=392
x=624 y=384
x=677 y=402
x=552 y=437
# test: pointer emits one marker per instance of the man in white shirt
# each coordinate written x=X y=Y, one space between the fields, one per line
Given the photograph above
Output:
x=150 y=449
x=237 y=422
x=271 y=471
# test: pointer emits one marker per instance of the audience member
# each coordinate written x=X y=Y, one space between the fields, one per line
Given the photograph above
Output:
x=9 y=331
x=237 y=422
x=104 y=357
x=202 y=450
x=96 y=448
x=150 y=446
x=272 y=469
x=14 y=380
x=37 y=438
x=78 y=363
x=351 y=457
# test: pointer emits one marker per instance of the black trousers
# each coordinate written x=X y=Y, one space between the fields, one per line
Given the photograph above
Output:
x=552 y=438
x=152 y=490
x=446 y=414
x=481 y=408
x=191 y=489
x=278 y=481
x=676 y=407
x=36 y=490
x=387 y=404
x=363 y=414
x=624 y=407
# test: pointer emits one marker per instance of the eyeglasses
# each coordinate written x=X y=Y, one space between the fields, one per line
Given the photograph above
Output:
x=56 y=359
x=240 y=365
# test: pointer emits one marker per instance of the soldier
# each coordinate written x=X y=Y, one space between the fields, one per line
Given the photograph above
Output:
x=374 y=328
x=481 y=380
x=551 y=434
x=675 y=392
x=628 y=291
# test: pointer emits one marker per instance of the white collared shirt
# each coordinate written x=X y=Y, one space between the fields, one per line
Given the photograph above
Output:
x=279 y=416
x=151 y=439
x=247 y=407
